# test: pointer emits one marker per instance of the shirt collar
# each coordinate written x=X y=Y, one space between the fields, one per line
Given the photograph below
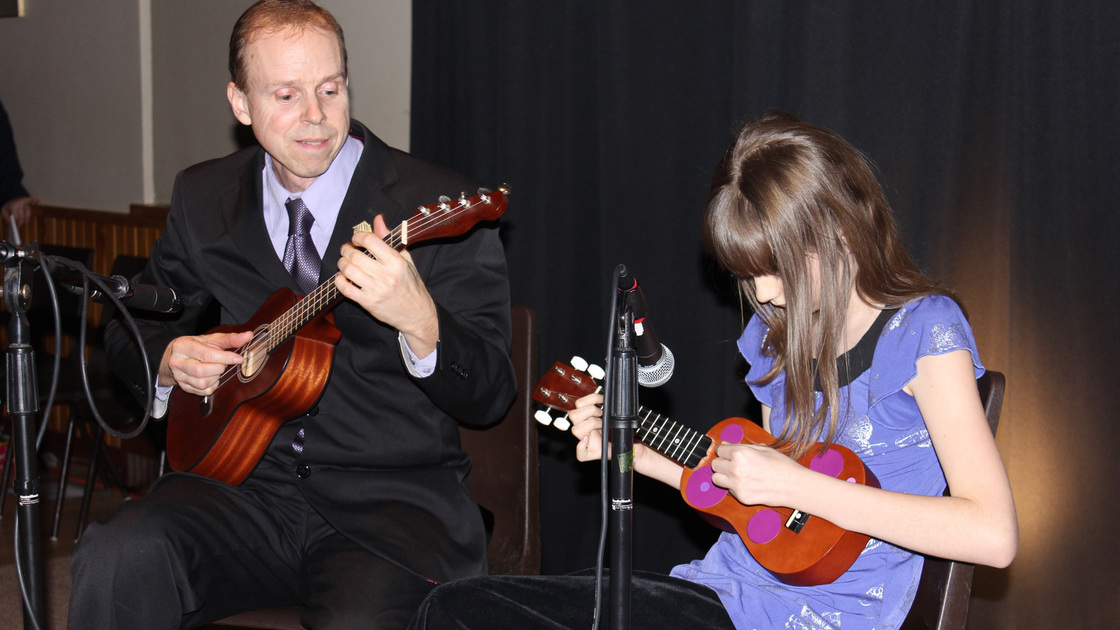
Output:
x=323 y=197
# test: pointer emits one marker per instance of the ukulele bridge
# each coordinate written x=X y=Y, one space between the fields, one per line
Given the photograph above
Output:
x=797 y=521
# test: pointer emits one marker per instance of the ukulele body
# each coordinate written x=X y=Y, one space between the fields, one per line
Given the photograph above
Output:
x=799 y=549
x=224 y=435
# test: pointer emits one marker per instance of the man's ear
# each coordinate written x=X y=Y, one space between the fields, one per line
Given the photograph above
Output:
x=239 y=102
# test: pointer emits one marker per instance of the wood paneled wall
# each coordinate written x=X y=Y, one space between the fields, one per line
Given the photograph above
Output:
x=108 y=233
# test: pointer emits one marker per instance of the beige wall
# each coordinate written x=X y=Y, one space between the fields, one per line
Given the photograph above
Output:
x=110 y=99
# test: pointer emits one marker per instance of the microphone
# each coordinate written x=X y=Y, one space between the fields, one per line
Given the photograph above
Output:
x=655 y=360
x=147 y=297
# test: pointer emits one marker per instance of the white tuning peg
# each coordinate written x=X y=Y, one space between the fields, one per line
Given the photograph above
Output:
x=596 y=372
x=543 y=417
x=579 y=363
x=562 y=423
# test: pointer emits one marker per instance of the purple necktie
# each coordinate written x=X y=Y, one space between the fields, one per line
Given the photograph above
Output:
x=302 y=261
x=300 y=257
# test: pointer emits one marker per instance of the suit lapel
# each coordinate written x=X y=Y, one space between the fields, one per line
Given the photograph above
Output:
x=243 y=211
x=365 y=198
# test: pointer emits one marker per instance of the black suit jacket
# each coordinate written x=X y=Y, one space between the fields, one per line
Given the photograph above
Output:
x=382 y=447
x=11 y=175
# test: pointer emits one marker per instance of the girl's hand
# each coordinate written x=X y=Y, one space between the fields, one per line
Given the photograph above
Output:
x=755 y=474
x=587 y=427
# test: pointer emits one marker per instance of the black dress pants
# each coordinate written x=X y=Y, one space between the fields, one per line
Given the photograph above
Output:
x=502 y=602
x=192 y=551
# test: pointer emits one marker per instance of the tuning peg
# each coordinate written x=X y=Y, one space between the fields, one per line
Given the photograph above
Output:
x=543 y=417
x=579 y=363
x=562 y=423
x=596 y=372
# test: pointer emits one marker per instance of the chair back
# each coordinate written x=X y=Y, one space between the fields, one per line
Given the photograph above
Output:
x=941 y=602
x=503 y=477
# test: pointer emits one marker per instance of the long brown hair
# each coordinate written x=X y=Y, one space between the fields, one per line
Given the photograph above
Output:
x=269 y=16
x=784 y=191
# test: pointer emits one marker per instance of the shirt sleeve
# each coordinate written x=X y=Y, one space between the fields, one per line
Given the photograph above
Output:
x=420 y=368
x=750 y=346
x=932 y=325
x=159 y=400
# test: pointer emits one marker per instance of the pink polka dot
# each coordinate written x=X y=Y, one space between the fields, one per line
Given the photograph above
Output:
x=764 y=526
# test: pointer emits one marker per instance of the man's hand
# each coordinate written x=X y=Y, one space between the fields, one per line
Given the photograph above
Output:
x=386 y=284
x=196 y=364
x=19 y=209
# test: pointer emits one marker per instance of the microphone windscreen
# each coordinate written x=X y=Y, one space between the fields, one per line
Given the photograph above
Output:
x=660 y=372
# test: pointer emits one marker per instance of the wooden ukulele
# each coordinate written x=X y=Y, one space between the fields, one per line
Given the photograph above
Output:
x=799 y=549
x=288 y=361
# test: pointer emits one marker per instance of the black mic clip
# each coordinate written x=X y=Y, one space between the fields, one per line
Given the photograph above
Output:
x=148 y=297
x=655 y=360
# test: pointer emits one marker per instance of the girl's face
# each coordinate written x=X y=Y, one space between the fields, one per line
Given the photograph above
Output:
x=770 y=289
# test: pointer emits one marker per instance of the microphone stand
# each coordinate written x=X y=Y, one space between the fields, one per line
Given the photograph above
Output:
x=621 y=403
x=23 y=405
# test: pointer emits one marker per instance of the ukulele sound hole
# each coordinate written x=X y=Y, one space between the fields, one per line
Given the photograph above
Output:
x=254 y=355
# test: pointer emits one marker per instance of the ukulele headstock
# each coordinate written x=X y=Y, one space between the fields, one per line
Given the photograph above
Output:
x=561 y=386
x=452 y=217
x=446 y=217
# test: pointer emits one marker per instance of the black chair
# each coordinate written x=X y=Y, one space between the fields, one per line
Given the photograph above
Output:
x=503 y=479
x=114 y=403
x=946 y=585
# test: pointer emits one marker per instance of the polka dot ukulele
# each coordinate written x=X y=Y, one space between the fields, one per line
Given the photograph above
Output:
x=798 y=548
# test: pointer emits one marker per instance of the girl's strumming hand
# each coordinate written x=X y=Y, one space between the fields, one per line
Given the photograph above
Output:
x=755 y=474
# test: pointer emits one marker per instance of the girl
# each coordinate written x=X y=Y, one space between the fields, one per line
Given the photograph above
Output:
x=849 y=344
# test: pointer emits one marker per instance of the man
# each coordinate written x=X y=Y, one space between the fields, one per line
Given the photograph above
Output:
x=358 y=508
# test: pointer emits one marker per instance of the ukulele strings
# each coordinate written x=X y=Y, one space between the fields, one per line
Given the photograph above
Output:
x=313 y=303
x=685 y=443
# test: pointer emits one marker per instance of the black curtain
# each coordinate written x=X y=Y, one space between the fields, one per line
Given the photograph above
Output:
x=994 y=128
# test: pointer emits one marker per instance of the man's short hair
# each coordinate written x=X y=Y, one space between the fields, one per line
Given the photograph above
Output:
x=269 y=16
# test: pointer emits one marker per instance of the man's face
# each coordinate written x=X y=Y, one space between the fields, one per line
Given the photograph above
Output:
x=296 y=101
